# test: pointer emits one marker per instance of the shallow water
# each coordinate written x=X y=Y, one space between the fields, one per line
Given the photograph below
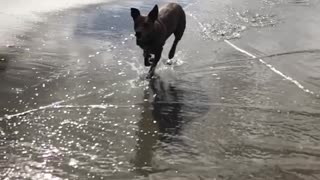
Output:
x=75 y=103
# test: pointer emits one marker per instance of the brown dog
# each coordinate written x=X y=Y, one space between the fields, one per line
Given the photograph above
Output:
x=153 y=30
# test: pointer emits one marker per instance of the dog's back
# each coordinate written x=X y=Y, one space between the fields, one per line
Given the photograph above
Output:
x=173 y=16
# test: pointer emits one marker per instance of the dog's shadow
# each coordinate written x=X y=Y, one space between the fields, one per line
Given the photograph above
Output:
x=166 y=107
x=162 y=120
x=4 y=60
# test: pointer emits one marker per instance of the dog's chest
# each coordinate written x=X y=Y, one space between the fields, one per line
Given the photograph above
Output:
x=152 y=49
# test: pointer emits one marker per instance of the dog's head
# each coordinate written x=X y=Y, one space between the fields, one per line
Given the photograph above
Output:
x=144 y=25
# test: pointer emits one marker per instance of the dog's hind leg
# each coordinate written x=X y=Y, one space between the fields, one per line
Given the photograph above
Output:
x=177 y=36
x=173 y=48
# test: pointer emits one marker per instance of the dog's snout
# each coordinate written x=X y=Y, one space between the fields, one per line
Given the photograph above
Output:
x=138 y=35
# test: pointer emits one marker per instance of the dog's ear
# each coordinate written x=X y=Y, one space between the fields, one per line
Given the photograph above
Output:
x=135 y=13
x=153 y=14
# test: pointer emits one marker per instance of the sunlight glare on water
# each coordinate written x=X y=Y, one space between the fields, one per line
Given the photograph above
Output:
x=75 y=103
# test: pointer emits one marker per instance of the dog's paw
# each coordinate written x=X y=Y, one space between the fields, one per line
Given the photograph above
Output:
x=153 y=76
x=151 y=73
x=147 y=63
x=149 y=76
x=169 y=62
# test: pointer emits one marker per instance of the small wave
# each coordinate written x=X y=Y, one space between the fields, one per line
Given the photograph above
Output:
x=300 y=2
x=257 y=20
x=224 y=30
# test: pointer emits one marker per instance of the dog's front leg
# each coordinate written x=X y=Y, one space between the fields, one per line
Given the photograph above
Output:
x=154 y=63
x=147 y=57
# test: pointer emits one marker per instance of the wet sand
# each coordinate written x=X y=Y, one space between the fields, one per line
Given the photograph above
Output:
x=240 y=100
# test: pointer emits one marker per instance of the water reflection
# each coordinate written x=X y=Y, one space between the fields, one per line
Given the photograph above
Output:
x=166 y=110
x=161 y=120
x=3 y=62
x=5 y=57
